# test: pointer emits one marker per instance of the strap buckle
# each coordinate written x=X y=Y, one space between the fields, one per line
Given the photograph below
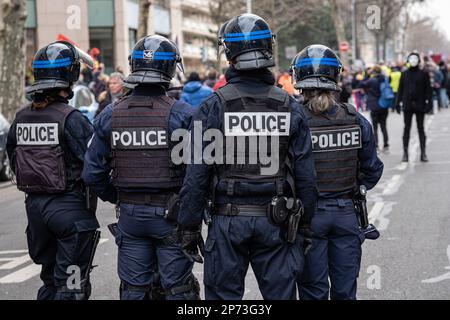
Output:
x=232 y=210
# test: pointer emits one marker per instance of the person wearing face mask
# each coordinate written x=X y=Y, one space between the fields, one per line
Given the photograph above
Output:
x=414 y=97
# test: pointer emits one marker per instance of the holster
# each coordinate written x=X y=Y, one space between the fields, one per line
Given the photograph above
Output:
x=173 y=208
x=285 y=213
x=293 y=222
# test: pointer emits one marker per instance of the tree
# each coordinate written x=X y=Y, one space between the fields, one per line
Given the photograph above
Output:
x=317 y=28
x=390 y=11
x=12 y=55
x=220 y=12
x=283 y=14
x=339 y=25
x=144 y=8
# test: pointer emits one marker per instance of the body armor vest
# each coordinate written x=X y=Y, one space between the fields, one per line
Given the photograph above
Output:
x=141 y=144
x=255 y=126
x=42 y=158
x=336 y=140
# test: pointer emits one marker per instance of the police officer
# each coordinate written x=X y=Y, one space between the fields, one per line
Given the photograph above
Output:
x=345 y=158
x=255 y=213
x=133 y=139
x=46 y=145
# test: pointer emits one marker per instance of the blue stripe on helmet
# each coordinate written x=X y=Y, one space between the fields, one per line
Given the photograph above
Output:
x=54 y=65
x=245 y=34
x=164 y=58
x=319 y=61
x=47 y=62
x=159 y=53
x=248 y=38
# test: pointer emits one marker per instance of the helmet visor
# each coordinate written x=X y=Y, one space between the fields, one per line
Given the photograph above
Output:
x=85 y=58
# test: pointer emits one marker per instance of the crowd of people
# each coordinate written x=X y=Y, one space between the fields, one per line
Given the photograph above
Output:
x=360 y=86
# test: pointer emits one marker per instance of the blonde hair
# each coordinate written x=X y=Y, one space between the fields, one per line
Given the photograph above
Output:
x=319 y=101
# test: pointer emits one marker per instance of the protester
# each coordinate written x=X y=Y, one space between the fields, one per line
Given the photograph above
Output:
x=194 y=92
x=113 y=93
x=211 y=78
x=378 y=114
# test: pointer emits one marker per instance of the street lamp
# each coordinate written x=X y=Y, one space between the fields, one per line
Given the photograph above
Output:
x=249 y=6
x=354 y=31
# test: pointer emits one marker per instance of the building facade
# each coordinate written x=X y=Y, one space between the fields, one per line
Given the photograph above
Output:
x=112 y=25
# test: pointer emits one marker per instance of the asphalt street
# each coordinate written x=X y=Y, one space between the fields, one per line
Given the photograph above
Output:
x=410 y=206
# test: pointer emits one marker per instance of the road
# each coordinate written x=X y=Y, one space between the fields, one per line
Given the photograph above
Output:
x=410 y=206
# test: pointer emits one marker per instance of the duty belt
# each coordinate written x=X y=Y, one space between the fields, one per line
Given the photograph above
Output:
x=232 y=210
x=149 y=199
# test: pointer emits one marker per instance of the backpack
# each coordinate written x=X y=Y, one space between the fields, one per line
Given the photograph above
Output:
x=387 y=98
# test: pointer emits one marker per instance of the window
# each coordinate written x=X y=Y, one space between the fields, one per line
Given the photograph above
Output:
x=103 y=39
x=132 y=36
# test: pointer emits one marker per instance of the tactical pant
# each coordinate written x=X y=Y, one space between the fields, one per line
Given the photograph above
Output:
x=60 y=238
x=420 y=119
x=144 y=248
x=335 y=256
x=235 y=242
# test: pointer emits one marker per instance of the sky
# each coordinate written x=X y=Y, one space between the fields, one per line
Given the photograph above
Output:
x=441 y=10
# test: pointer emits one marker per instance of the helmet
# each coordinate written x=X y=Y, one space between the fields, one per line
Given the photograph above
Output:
x=154 y=60
x=57 y=66
x=220 y=37
x=316 y=67
x=248 y=42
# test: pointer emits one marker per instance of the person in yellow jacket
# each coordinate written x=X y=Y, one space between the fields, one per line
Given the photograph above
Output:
x=394 y=80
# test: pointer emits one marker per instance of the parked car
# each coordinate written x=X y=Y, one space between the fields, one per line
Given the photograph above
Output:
x=4 y=163
x=84 y=100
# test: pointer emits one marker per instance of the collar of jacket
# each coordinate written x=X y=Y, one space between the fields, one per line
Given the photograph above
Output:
x=264 y=76
x=152 y=90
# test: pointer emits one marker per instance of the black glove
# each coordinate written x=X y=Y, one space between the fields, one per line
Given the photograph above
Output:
x=191 y=243
x=398 y=109
x=307 y=234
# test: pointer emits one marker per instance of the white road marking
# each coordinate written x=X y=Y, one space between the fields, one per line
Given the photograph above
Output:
x=445 y=276
x=25 y=273
x=375 y=212
x=15 y=262
x=393 y=185
x=22 y=275
x=13 y=251
x=402 y=166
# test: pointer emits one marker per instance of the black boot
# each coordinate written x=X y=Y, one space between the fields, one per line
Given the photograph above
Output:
x=423 y=153
x=405 y=155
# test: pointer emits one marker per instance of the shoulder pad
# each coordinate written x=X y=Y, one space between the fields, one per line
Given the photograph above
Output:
x=351 y=109
x=228 y=93
x=278 y=94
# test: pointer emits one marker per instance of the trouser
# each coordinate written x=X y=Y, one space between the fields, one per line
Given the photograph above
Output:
x=379 y=119
x=437 y=95
x=60 y=238
x=235 y=242
x=147 y=244
x=335 y=256
x=420 y=118
x=443 y=97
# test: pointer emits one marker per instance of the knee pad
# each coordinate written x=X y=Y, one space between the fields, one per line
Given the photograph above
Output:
x=157 y=291
x=145 y=291
x=84 y=293
x=190 y=289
